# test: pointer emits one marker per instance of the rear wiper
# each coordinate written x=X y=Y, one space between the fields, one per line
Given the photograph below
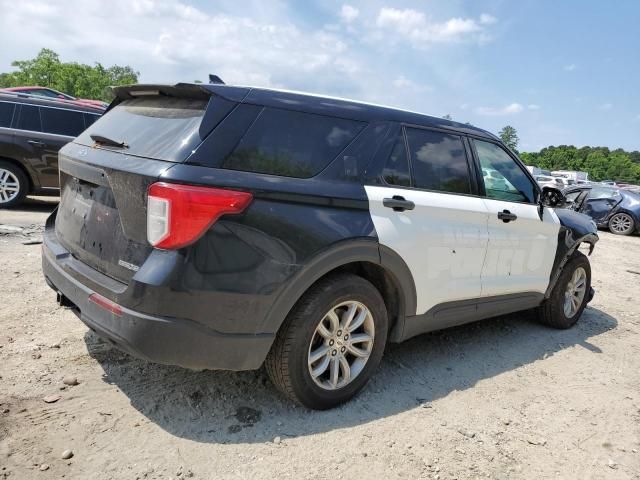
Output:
x=96 y=137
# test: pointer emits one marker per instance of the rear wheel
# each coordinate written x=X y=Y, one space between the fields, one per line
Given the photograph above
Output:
x=331 y=342
x=13 y=185
x=621 y=224
x=569 y=297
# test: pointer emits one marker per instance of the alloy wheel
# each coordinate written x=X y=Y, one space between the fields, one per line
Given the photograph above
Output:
x=620 y=223
x=9 y=186
x=575 y=292
x=341 y=345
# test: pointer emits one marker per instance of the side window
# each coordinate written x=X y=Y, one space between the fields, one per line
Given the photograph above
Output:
x=89 y=118
x=438 y=161
x=43 y=93
x=599 y=192
x=6 y=113
x=292 y=144
x=396 y=170
x=61 y=122
x=573 y=196
x=503 y=178
x=29 y=118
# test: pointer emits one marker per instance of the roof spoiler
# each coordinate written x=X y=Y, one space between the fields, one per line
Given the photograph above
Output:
x=179 y=90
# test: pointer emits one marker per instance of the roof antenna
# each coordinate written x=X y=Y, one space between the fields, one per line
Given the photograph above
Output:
x=215 y=79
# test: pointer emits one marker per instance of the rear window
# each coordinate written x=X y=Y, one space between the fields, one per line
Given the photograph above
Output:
x=438 y=161
x=6 y=113
x=599 y=192
x=156 y=127
x=291 y=144
x=62 y=122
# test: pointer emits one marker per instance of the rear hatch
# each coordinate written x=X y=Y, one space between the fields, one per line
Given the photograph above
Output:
x=106 y=171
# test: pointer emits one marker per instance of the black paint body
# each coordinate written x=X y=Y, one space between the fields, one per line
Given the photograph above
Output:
x=219 y=302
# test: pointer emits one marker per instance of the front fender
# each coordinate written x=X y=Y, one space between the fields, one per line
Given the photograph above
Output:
x=575 y=229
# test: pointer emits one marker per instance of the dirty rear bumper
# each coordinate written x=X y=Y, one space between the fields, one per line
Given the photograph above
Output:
x=163 y=340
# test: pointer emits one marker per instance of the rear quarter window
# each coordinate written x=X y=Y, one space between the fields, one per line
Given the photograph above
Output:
x=62 y=122
x=291 y=144
x=164 y=128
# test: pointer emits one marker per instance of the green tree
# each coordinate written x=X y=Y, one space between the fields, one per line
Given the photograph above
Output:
x=599 y=162
x=77 y=79
x=509 y=136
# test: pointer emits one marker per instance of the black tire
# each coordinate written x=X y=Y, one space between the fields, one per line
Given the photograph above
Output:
x=621 y=224
x=23 y=184
x=287 y=362
x=551 y=312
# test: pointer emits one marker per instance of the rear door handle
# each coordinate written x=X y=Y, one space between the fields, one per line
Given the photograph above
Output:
x=506 y=216
x=398 y=203
x=37 y=143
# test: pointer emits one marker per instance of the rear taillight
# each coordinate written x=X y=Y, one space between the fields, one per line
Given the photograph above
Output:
x=177 y=215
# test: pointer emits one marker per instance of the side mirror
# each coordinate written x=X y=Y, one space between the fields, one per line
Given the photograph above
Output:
x=552 y=197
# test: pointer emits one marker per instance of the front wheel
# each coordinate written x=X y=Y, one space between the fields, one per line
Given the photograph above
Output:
x=330 y=343
x=570 y=295
x=621 y=224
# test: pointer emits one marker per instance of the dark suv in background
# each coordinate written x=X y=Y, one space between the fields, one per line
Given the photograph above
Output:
x=223 y=227
x=32 y=130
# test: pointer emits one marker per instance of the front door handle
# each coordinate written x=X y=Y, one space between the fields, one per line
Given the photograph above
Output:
x=36 y=143
x=398 y=203
x=506 y=216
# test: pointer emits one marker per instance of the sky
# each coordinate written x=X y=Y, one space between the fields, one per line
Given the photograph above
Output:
x=560 y=72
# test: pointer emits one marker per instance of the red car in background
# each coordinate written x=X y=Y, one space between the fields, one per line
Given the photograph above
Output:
x=51 y=93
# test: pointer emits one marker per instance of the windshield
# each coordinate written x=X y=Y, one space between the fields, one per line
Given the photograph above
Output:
x=163 y=128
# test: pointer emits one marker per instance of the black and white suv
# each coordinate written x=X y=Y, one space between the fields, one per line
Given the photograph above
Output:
x=224 y=227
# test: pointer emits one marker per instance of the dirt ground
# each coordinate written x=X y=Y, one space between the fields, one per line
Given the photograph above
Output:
x=503 y=398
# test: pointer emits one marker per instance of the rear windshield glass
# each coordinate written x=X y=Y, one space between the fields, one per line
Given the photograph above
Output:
x=156 y=127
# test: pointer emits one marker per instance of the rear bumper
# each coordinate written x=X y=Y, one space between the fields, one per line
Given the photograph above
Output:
x=163 y=340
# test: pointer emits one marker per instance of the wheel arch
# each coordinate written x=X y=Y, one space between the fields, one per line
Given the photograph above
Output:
x=575 y=229
x=384 y=268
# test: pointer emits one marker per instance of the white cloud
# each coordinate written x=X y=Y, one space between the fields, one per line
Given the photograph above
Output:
x=487 y=19
x=570 y=68
x=400 y=19
x=170 y=40
x=606 y=106
x=510 y=109
x=416 y=27
x=533 y=106
x=349 y=13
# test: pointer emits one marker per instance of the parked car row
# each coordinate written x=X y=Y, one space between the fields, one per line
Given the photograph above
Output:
x=32 y=130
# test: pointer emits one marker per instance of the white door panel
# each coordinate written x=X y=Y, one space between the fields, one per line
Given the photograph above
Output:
x=443 y=241
x=520 y=253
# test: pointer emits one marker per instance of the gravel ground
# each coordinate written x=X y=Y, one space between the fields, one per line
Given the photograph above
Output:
x=503 y=398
